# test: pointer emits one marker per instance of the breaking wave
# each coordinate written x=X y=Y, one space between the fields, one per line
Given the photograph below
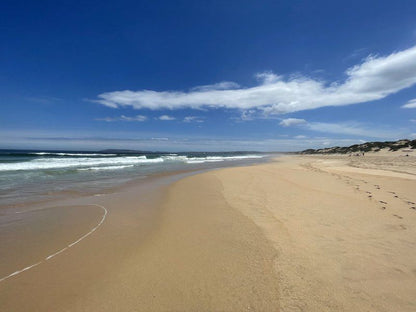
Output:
x=80 y=161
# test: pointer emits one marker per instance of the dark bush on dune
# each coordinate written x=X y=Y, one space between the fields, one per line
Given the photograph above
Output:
x=363 y=148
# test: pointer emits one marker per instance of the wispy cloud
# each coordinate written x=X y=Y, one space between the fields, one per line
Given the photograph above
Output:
x=160 y=139
x=357 y=53
x=166 y=118
x=410 y=104
x=345 y=128
x=288 y=122
x=193 y=119
x=375 y=78
x=224 y=85
x=139 y=118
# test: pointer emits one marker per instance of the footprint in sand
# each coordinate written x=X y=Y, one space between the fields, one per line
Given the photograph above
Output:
x=397 y=216
x=383 y=202
x=414 y=208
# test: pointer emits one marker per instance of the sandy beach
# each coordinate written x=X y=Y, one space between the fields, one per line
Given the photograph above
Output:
x=300 y=233
x=208 y=156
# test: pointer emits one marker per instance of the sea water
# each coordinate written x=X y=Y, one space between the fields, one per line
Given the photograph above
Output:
x=37 y=175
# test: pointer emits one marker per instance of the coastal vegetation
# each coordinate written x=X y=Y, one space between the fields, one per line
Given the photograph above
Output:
x=365 y=147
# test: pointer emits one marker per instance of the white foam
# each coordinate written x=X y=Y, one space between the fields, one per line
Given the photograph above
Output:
x=174 y=158
x=200 y=160
x=197 y=160
x=20 y=271
x=111 y=163
x=72 y=162
x=72 y=154
x=106 y=168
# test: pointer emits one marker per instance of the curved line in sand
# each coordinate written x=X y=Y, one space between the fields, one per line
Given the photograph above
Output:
x=63 y=249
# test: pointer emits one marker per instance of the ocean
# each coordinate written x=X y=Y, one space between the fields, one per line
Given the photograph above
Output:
x=38 y=175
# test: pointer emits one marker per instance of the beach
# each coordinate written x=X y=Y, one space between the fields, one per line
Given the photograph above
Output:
x=299 y=233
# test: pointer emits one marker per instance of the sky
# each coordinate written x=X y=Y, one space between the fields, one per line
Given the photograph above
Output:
x=206 y=75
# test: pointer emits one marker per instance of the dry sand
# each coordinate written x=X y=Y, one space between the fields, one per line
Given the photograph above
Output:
x=345 y=236
x=313 y=233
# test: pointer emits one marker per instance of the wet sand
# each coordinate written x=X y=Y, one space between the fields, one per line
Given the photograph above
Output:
x=58 y=283
x=317 y=233
x=159 y=249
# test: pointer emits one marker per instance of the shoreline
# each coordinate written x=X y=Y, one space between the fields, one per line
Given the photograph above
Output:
x=296 y=233
x=130 y=179
x=132 y=215
x=135 y=214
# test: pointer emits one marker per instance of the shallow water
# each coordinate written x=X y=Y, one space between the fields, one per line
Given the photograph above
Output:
x=37 y=175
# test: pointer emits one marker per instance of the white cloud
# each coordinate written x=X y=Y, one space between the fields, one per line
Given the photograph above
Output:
x=357 y=53
x=300 y=137
x=223 y=85
x=160 y=139
x=346 y=128
x=124 y=118
x=166 y=118
x=288 y=122
x=268 y=78
x=247 y=114
x=375 y=78
x=193 y=119
x=410 y=104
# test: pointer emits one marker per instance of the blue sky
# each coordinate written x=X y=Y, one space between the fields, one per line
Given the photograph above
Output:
x=206 y=75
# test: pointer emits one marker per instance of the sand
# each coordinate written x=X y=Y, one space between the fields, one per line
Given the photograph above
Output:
x=345 y=235
x=310 y=233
